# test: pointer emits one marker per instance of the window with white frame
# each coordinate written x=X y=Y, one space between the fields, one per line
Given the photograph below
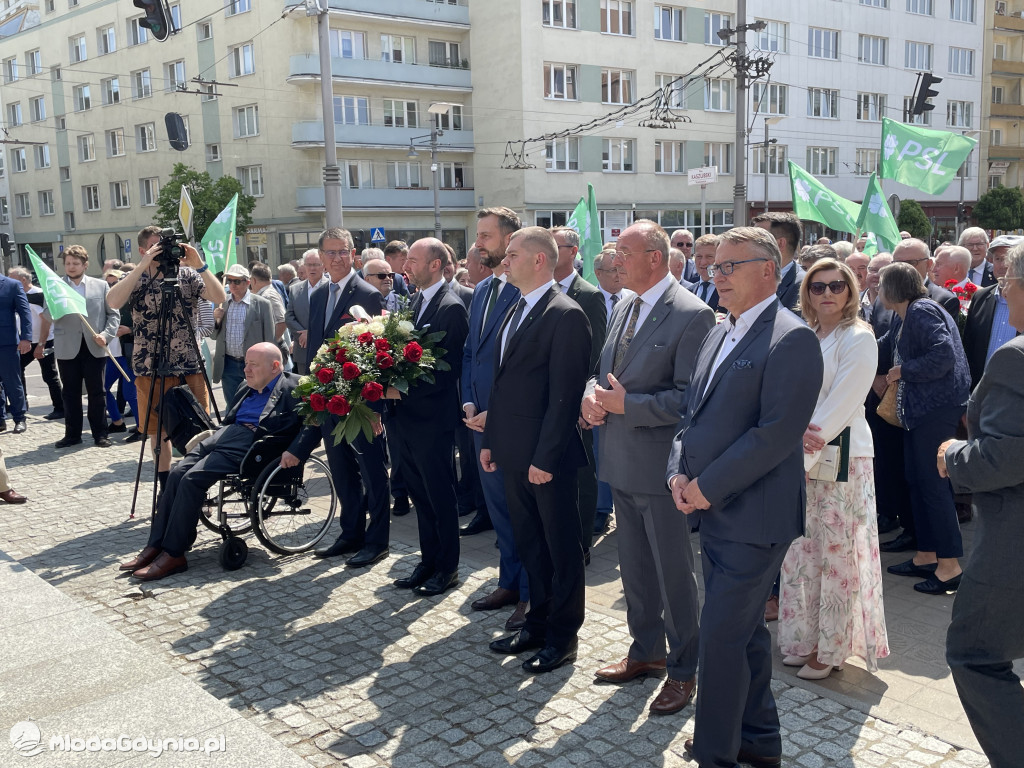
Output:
x=774 y=37
x=444 y=53
x=870 y=107
x=137 y=34
x=142 y=84
x=55 y=73
x=676 y=89
x=61 y=123
x=403 y=175
x=204 y=30
x=559 y=13
x=771 y=161
x=86 y=148
x=10 y=70
x=115 y=142
x=997 y=94
x=33 y=62
x=69 y=221
x=925 y=118
x=961 y=10
x=562 y=154
x=251 y=179
x=5 y=215
x=91 y=197
x=81 y=97
x=770 y=98
x=110 y=91
x=718 y=94
x=358 y=174
x=213 y=153
x=617 y=156
x=451 y=175
x=241 y=61
x=398 y=49
x=670 y=157
x=14 y=118
x=821 y=161
x=668 y=23
x=713 y=24
x=176 y=17
x=560 y=81
x=42 y=155
x=549 y=219
x=719 y=154
x=872 y=50
x=119 y=195
x=823 y=102
x=616 y=86
x=352 y=110
x=450 y=120
x=2 y=166
x=106 y=40
x=875 y=3
x=145 y=137
x=46 y=202
x=346 y=44
x=958 y=114
x=400 y=113
x=174 y=75
x=822 y=43
x=996 y=137
x=616 y=17
x=999 y=51
x=19 y=163
x=961 y=61
x=77 y=48
x=22 y=206
x=921 y=7
x=994 y=182
x=235 y=7
x=65 y=173
x=867 y=161
x=247 y=121
x=917 y=56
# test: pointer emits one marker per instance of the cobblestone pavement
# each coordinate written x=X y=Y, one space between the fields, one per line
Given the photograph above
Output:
x=346 y=670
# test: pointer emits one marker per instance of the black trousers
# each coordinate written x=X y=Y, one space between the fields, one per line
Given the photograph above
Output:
x=83 y=367
x=49 y=371
x=361 y=480
x=892 y=493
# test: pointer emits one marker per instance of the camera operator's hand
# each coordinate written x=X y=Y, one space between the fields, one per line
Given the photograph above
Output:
x=149 y=255
x=191 y=258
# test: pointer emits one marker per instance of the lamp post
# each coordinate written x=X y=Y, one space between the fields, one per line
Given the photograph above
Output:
x=435 y=109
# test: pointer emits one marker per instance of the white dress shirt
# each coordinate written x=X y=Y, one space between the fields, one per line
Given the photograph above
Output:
x=736 y=329
x=428 y=294
x=650 y=297
x=623 y=295
x=531 y=300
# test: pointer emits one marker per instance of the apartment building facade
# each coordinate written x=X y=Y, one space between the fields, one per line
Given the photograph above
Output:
x=1002 y=147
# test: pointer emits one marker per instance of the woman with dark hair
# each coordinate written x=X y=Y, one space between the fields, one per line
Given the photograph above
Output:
x=930 y=371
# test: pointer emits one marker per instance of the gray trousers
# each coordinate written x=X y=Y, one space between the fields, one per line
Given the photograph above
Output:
x=656 y=563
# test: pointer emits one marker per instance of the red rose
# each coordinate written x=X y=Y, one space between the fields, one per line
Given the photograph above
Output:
x=318 y=401
x=350 y=371
x=365 y=338
x=383 y=345
x=342 y=355
x=384 y=360
x=412 y=352
x=325 y=375
x=372 y=392
x=338 y=405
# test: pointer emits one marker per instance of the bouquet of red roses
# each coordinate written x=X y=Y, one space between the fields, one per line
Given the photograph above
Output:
x=965 y=293
x=357 y=366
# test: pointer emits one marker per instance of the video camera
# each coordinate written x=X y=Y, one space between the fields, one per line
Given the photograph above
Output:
x=171 y=252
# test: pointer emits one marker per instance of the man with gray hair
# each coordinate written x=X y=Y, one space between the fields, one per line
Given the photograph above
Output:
x=975 y=240
x=683 y=240
x=677 y=262
x=951 y=264
x=998 y=250
x=915 y=252
x=297 y=314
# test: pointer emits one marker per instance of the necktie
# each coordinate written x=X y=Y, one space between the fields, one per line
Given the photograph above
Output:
x=513 y=325
x=973 y=276
x=332 y=303
x=492 y=297
x=614 y=298
x=417 y=303
x=627 y=336
x=704 y=284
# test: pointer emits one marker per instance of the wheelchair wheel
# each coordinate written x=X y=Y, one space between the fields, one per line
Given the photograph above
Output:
x=292 y=509
x=226 y=499
x=233 y=553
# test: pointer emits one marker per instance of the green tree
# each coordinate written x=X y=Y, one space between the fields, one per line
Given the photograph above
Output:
x=913 y=220
x=1000 y=208
x=208 y=196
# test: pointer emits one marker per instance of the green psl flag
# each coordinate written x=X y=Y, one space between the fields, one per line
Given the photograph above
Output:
x=219 y=240
x=870 y=244
x=585 y=221
x=61 y=298
x=813 y=201
x=876 y=217
x=920 y=157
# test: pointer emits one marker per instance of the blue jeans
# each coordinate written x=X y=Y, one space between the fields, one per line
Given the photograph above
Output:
x=128 y=388
x=232 y=378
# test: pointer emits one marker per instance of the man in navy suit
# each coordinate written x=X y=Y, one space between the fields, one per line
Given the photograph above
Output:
x=737 y=468
x=788 y=232
x=704 y=257
x=15 y=340
x=975 y=240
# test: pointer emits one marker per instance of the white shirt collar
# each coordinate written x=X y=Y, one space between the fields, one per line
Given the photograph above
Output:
x=429 y=293
x=343 y=282
x=787 y=268
x=247 y=299
x=656 y=291
x=748 y=318
x=566 y=282
x=535 y=295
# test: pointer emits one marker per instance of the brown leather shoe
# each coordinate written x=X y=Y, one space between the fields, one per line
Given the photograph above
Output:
x=745 y=757
x=629 y=669
x=11 y=496
x=518 y=618
x=164 y=565
x=674 y=696
x=141 y=560
x=499 y=598
x=771 y=609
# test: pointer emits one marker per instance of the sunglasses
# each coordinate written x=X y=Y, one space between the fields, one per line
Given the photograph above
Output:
x=836 y=287
x=236 y=280
x=382 y=275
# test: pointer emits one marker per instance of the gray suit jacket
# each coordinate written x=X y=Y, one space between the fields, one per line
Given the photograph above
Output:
x=69 y=330
x=297 y=318
x=259 y=326
x=655 y=372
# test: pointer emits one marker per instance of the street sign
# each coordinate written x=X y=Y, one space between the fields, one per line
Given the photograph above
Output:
x=377 y=235
x=702 y=176
x=616 y=232
x=127 y=247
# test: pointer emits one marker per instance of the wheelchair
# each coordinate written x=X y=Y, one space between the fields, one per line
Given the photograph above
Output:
x=289 y=510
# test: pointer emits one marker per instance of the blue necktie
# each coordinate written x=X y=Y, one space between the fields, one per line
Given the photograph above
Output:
x=332 y=303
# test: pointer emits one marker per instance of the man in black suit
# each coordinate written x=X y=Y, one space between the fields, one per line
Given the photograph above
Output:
x=975 y=240
x=788 y=232
x=426 y=419
x=987 y=328
x=532 y=433
x=704 y=257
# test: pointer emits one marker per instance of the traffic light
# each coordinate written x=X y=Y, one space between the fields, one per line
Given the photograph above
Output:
x=158 y=17
x=925 y=92
x=5 y=245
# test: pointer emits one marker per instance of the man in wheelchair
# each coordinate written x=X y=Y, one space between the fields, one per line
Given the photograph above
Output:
x=263 y=406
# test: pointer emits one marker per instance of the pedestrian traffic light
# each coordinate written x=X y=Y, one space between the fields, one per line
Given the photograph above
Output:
x=925 y=92
x=157 y=19
x=5 y=244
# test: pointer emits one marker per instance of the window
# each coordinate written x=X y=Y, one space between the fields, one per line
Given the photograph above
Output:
x=560 y=13
x=46 y=202
x=450 y=120
x=917 y=56
x=821 y=161
x=398 y=49
x=174 y=75
x=5 y=216
x=86 y=148
x=719 y=154
x=772 y=161
x=55 y=73
x=110 y=91
x=713 y=24
x=961 y=10
x=65 y=173
x=91 y=197
x=251 y=179
x=997 y=94
x=676 y=90
x=617 y=155
x=69 y=221
x=106 y=41
x=548 y=219
x=137 y=34
x=770 y=98
x=670 y=157
x=2 y=172
x=149 y=190
x=994 y=182
x=209 y=92
x=616 y=86
x=958 y=114
x=822 y=43
x=247 y=121
x=441 y=53
x=358 y=174
x=204 y=30
x=82 y=98
x=823 y=102
x=774 y=37
x=875 y=3
x=37 y=109
x=42 y=155
x=62 y=123
x=18 y=162
x=352 y=110
x=14 y=114
x=119 y=194
x=562 y=154
x=175 y=18
x=142 y=84
x=961 y=61
x=868 y=161
x=872 y=50
x=717 y=95
x=560 y=82
x=240 y=60
x=922 y=7
x=925 y=118
x=10 y=70
x=22 y=206
x=871 y=107
x=668 y=23
x=213 y=153
x=33 y=63
x=236 y=7
x=999 y=51
x=145 y=137
x=403 y=175
x=451 y=175
x=996 y=137
x=77 y=48
x=115 y=142
x=347 y=45
x=400 y=114
x=616 y=17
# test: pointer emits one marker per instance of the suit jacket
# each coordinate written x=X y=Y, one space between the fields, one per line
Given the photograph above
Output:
x=712 y=297
x=69 y=330
x=987 y=276
x=464 y=293
x=946 y=299
x=978 y=331
x=296 y=316
x=690 y=273
x=482 y=341
x=741 y=437
x=356 y=292
x=280 y=415
x=399 y=286
x=538 y=385
x=789 y=289
x=14 y=304
x=591 y=300
x=655 y=372
x=259 y=326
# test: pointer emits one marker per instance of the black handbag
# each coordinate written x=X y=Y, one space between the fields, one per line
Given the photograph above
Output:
x=183 y=417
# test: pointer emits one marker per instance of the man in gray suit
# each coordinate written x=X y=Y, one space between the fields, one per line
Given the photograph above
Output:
x=736 y=468
x=244 y=320
x=297 y=314
x=638 y=400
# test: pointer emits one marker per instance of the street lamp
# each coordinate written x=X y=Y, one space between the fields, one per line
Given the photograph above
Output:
x=435 y=109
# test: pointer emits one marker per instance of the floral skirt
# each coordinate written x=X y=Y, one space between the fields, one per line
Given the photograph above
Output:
x=831 y=594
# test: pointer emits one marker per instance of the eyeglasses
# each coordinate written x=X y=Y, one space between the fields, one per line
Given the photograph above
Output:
x=977 y=244
x=1004 y=282
x=627 y=254
x=682 y=244
x=560 y=247
x=913 y=261
x=605 y=269
x=836 y=287
x=726 y=267
x=236 y=280
x=335 y=254
x=382 y=275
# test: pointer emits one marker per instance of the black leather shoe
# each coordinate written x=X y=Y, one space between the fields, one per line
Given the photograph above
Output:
x=367 y=556
x=887 y=525
x=419 y=575
x=117 y=428
x=19 y=427
x=3 y=425
x=933 y=586
x=745 y=757
x=550 y=658
x=134 y=437
x=902 y=543
x=103 y=442
x=437 y=584
x=478 y=524
x=54 y=415
x=910 y=568
x=521 y=641
x=64 y=442
x=401 y=506
x=341 y=546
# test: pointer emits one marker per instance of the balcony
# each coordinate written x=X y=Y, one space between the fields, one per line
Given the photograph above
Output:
x=1005 y=152
x=434 y=12
x=306 y=67
x=311 y=134
x=1008 y=21
x=1007 y=67
x=311 y=199
x=1003 y=109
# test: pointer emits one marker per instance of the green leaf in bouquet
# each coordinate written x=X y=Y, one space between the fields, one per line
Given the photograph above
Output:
x=352 y=426
x=441 y=365
x=427 y=377
x=338 y=433
x=433 y=338
x=401 y=385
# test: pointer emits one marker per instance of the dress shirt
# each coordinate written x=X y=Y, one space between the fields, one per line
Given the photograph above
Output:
x=1002 y=331
x=623 y=295
x=704 y=289
x=566 y=282
x=79 y=286
x=428 y=294
x=310 y=287
x=736 y=329
x=531 y=300
x=650 y=297
x=785 y=269
x=977 y=274
x=254 y=402
x=234 y=325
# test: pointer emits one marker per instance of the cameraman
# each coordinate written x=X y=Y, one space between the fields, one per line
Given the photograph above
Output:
x=141 y=291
